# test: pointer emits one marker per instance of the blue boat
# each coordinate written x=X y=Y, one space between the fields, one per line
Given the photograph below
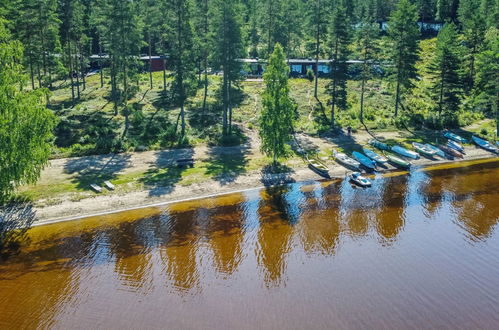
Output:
x=455 y=137
x=366 y=161
x=439 y=152
x=374 y=156
x=455 y=145
x=405 y=152
x=484 y=144
x=379 y=145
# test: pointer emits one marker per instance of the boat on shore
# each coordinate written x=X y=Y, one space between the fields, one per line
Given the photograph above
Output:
x=318 y=167
x=374 y=156
x=379 y=145
x=357 y=178
x=484 y=144
x=405 y=152
x=439 y=152
x=455 y=137
x=456 y=146
x=451 y=152
x=346 y=161
x=364 y=160
x=424 y=149
x=399 y=162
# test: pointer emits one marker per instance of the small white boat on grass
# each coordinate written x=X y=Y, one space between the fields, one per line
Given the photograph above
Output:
x=357 y=178
x=424 y=149
x=374 y=156
x=109 y=185
x=456 y=146
x=439 y=152
x=96 y=188
x=405 y=152
x=455 y=137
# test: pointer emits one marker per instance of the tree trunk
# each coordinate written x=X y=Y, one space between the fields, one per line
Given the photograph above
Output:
x=335 y=82
x=205 y=95
x=82 y=67
x=230 y=108
x=150 y=59
x=70 y=59
x=224 y=119
x=397 y=98
x=362 y=99
x=317 y=47
x=100 y=65
x=77 y=75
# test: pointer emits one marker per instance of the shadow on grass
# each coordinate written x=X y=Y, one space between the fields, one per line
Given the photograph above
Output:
x=96 y=169
x=227 y=163
x=161 y=179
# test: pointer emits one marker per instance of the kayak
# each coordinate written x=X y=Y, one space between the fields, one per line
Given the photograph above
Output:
x=439 y=152
x=380 y=145
x=455 y=137
x=374 y=156
x=484 y=144
x=456 y=146
x=359 y=179
x=345 y=160
x=423 y=149
x=318 y=167
x=398 y=161
x=405 y=152
x=364 y=160
x=451 y=152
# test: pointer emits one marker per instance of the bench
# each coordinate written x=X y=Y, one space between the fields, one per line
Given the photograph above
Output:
x=184 y=162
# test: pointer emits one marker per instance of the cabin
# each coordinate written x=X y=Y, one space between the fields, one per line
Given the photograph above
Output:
x=254 y=67
x=158 y=63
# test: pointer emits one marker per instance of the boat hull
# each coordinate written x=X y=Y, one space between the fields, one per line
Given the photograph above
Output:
x=404 y=152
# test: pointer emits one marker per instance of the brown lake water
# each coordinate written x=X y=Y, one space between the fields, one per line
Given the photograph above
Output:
x=417 y=250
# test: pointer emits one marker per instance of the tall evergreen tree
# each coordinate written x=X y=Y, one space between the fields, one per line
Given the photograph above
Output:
x=25 y=124
x=446 y=70
x=339 y=39
x=404 y=36
x=276 y=119
x=227 y=48
x=182 y=61
x=487 y=87
x=489 y=10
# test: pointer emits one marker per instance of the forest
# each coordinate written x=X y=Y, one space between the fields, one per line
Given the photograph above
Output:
x=418 y=64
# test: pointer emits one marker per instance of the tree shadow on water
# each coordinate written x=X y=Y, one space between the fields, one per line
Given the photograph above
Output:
x=227 y=163
x=15 y=220
x=96 y=169
x=161 y=179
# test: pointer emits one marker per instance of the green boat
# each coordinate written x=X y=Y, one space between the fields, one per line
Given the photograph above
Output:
x=380 y=145
x=398 y=161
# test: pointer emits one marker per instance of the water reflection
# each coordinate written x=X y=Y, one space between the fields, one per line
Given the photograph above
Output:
x=253 y=235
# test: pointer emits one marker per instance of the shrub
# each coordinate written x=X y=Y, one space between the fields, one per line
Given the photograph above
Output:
x=310 y=74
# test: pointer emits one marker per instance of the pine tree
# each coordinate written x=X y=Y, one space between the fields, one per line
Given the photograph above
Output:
x=487 y=86
x=403 y=32
x=339 y=39
x=25 y=124
x=446 y=70
x=489 y=10
x=366 y=42
x=227 y=48
x=182 y=62
x=276 y=119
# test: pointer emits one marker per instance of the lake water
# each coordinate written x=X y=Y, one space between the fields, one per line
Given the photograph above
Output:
x=417 y=250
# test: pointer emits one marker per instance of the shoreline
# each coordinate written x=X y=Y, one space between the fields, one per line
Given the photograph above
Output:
x=113 y=204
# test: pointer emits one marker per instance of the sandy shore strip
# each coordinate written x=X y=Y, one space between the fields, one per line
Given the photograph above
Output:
x=107 y=204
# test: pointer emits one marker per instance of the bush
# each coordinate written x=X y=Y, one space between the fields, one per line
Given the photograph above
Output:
x=310 y=74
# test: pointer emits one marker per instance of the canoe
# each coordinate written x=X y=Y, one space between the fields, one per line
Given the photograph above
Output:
x=398 y=161
x=484 y=144
x=379 y=145
x=374 y=156
x=109 y=185
x=364 y=160
x=451 y=151
x=455 y=137
x=345 y=160
x=456 y=146
x=318 y=167
x=359 y=179
x=96 y=188
x=423 y=149
x=405 y=152
x=439 y=152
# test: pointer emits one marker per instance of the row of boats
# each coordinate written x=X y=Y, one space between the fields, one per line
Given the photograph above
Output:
x=397 y=155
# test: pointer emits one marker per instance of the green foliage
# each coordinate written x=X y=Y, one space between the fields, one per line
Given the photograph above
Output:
x=446 y=71
x=25 y=124
x=276 y=119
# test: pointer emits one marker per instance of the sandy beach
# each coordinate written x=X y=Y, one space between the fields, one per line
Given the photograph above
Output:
x=66 y=207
